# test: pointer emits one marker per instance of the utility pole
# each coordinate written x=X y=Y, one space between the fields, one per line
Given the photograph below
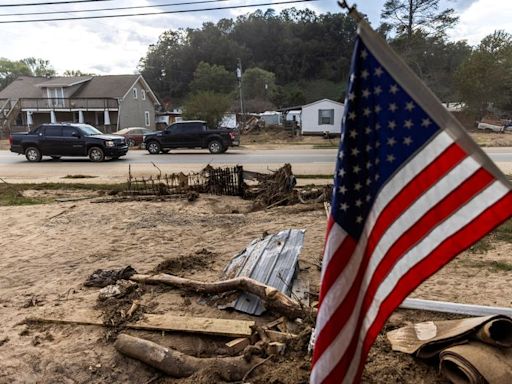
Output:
x=239 y=76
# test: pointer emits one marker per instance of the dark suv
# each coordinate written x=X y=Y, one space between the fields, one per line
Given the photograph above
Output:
x=67 y=139
x=191 y=134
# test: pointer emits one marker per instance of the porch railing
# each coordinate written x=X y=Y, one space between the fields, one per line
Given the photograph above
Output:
x=83 y=103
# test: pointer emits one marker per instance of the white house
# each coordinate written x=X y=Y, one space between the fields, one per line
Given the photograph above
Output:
x=321 y=116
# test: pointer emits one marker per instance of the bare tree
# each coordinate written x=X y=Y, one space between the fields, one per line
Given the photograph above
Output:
x=409 y=16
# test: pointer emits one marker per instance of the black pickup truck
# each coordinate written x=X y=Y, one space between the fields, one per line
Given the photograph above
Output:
x=67 y=139
x=191 y=134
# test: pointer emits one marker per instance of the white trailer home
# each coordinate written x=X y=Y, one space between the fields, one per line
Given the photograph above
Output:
x=321 y=116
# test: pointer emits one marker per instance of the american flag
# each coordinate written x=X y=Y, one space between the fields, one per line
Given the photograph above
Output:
x=412 y=190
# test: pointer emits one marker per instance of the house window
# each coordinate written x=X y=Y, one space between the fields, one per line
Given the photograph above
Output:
x=147 y=119
x=55 y=97
x=143 y=94
x=134 y=93
x=326 y=117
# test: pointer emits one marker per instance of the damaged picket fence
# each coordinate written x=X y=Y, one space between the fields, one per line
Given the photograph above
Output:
x=218 y=181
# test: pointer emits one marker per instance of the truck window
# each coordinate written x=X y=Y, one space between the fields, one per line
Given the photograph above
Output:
x=180 y=128
x=196 y=127
x=68 y=131
x=53 y=131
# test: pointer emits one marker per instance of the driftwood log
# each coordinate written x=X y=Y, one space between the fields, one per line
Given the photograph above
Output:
x=273 y=298
x=177 y=364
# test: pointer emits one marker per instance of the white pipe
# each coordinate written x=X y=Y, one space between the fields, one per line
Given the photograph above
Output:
x=460 y=309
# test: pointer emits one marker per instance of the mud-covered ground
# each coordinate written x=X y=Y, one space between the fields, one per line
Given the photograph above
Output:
x=49 y=250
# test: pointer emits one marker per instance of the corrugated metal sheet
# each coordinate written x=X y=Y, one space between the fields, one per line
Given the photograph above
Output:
x=272 y=261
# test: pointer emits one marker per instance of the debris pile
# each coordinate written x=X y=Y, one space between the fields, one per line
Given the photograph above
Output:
x=264 y=274
x=276 y=188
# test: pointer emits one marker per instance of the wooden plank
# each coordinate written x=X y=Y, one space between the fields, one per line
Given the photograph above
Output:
x=456 y=308
x=209 y=326
x=274 y=323
x=238 y=345
x=201 y=325
x=281 y=337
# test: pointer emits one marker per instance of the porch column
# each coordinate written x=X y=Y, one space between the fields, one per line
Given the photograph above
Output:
x=30 y=122
x=53 y=119
x=81 y=116
x=106 y=117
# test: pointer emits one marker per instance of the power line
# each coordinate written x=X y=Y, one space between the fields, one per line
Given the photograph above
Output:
x=111 y=9
x=155 y=13
x=50 y=3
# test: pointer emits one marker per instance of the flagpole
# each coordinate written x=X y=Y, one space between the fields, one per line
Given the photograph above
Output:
x=352 y=11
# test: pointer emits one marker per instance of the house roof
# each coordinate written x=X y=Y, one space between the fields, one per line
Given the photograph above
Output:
x=107 y=86
x=319 y=101
x=23 y=86
x=111 y=86
x=64 y=81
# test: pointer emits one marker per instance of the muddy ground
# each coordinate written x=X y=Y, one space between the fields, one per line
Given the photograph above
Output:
x=48 y=251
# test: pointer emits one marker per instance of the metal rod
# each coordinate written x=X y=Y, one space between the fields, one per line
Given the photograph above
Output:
x=352 y=11
x=456 y=308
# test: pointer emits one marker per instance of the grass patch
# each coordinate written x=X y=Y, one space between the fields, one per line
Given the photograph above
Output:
x=504 y=232
x=492 y=265
x=326 y=145
x=12 y=194
x=482 y=246
x=79 y=177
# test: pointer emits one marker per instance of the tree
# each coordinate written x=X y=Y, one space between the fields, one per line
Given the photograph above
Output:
x=208 y=106
x=484 y=80
x=76 y=73
x=10 y=70
x=211 y=77
x=258 y=84
x=409 y=16
x=434 y=59
x=39 y=67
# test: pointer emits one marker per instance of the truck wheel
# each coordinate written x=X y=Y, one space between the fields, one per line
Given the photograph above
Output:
x=215 y=146
x=96 y=154
x=153 y=147
x=33 y=154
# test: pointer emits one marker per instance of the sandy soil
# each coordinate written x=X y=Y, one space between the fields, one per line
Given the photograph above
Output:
x=45 y=261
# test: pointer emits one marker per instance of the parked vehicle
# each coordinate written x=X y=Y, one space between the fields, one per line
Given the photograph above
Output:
x=134 y=136
x=67 y=139
x=191 y=134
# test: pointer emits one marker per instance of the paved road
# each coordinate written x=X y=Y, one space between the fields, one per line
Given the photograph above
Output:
x=303 y=160
x=234 y=156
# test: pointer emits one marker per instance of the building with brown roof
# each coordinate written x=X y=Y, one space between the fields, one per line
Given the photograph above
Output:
x=108 y=102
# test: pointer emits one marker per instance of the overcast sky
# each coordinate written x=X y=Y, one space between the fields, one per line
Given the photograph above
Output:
x=114 y=46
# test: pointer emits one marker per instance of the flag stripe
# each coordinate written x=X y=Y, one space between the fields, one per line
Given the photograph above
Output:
x=343 y=251
x=349 y=282
x=443 y=193
x=434 y=150
x=334 y=237
x=429 y=249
